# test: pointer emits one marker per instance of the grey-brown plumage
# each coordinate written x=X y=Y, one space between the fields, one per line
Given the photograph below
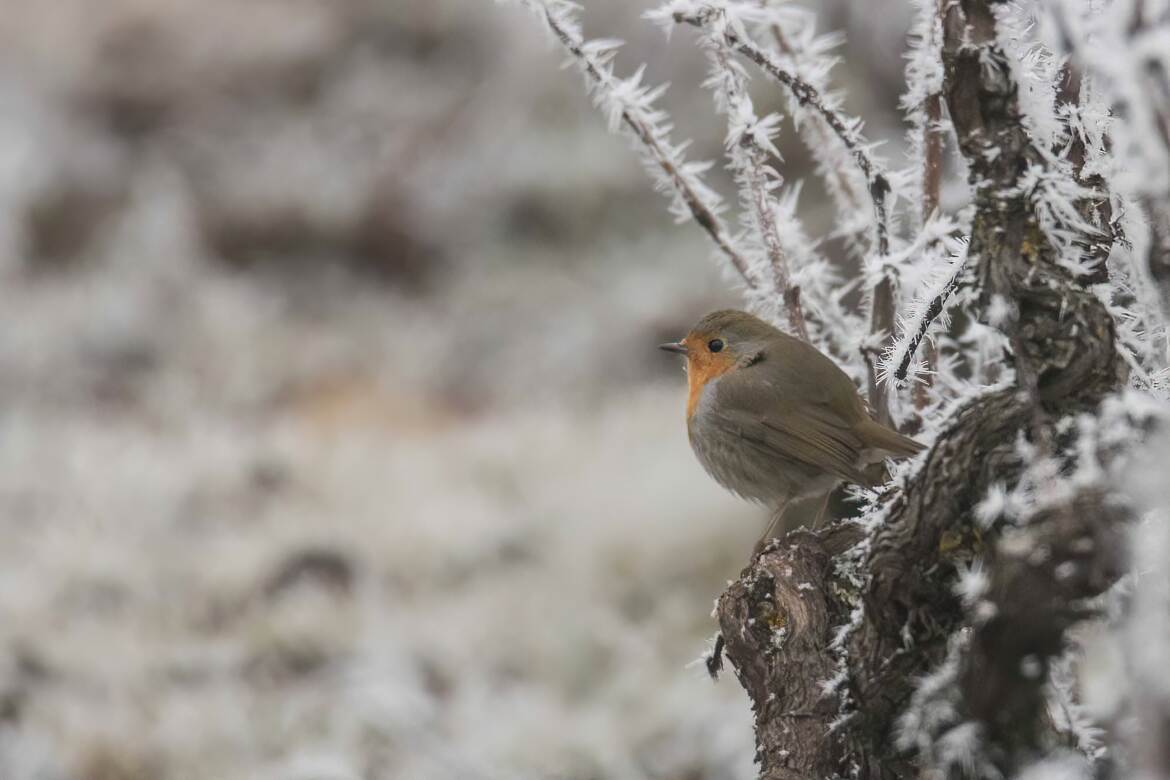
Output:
x=773 y=419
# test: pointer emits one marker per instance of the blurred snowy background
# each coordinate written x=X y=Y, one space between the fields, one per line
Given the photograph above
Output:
x=333 y=439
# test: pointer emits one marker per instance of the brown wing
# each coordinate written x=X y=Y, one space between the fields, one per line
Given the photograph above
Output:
x=809 y=438
x=795 y=404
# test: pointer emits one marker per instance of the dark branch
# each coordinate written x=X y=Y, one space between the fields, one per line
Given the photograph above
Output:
x=882 y=308
x=933 y=310
x=703 y=215
x=868 y=614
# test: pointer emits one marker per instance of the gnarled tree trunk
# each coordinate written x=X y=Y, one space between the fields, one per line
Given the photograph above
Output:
x=831 y=633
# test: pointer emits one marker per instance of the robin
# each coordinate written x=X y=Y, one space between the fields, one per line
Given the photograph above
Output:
x=774 y=420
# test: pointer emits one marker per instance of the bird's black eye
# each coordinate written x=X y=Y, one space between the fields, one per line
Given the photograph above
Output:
x=715 y=345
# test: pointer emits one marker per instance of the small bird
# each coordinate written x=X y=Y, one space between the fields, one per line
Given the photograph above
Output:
x=774 y=420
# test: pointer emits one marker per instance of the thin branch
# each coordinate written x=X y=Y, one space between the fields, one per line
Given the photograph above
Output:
x=933 y=310
x=924 y=103
x=1158 y=252
x=653 y=138
x=818 y=134
x=748 y=147
x=932 y=149
x=810 y=98
x=882 y=309
x=881 y=325
x=818 y=140
x=1132 y=72
x=757 y=176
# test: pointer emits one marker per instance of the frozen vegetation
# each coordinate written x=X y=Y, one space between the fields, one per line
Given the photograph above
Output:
x=333 y=443
x=961 y=626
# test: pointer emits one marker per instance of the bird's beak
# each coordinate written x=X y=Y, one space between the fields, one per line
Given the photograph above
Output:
x=676 y=347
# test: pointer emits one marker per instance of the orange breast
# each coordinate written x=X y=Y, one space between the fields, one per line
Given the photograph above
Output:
x=702 y=367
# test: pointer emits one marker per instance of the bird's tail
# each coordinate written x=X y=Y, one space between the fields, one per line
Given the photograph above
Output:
x=879 y=437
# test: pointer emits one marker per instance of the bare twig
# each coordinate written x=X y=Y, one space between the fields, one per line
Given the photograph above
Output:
x=882 y=309
x=757 y=177
x=881 y=325
x=1096 y=211
x=1143 y=102
x=749 y=146
x=933 y=310
x=811 y=99
x=655 y=144
x=931 y=141
x=932 y=149
x=818 y=138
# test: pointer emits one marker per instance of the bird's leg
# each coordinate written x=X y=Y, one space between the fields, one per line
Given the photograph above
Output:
x=823 y=512
x=789 y=510
x=773 y=524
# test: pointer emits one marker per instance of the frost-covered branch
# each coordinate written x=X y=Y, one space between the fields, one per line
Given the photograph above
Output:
x=1086 y=153
x=1158 y=253
x=927 y=635
x=630 y=104
x=847 y=132
x=845 y=129
x=1055 y=183
x=923 y=103
x=807 y=55
x=1126 y=51
x=757 y=176
x=931 y=301
x=917 y=332
x=749 y=147
x=883 y=611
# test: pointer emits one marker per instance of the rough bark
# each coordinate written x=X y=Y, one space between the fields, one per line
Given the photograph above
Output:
x=828 y=631
x=1158 y=254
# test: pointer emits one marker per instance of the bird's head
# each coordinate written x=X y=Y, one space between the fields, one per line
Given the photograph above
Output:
x=721 y=342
